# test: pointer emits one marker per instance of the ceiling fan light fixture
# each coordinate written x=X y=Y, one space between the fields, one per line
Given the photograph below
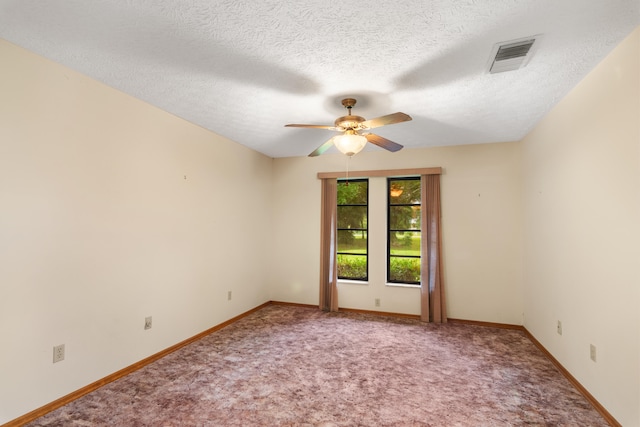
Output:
x=350 y=143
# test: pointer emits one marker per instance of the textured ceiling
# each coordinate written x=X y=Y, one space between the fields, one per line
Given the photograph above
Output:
x=244 y=69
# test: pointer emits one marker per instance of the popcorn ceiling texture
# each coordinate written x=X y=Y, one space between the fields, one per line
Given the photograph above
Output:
x=294 y=366
x=243 y=69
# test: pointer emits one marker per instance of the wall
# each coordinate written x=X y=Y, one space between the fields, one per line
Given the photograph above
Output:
x=481 y=208
x=581 y=191
x=112 y=211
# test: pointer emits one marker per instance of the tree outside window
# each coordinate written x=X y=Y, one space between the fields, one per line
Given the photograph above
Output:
x=352 y=254
x=404 y=230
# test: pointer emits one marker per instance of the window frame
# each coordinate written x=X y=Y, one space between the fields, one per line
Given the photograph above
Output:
x=338 y=229
x=389 y=231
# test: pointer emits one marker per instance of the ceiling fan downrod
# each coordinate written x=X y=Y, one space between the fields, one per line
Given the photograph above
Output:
x=348 y=103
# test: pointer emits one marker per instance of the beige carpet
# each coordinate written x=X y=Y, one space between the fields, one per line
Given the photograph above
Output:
x=294 y=366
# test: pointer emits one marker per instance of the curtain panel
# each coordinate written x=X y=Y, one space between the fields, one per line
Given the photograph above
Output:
x=432 y=298
x=328 y=246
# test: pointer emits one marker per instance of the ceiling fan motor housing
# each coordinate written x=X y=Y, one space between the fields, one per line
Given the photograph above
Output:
x=349 y=122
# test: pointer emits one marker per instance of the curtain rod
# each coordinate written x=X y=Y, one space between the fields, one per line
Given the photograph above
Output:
x=382 y=172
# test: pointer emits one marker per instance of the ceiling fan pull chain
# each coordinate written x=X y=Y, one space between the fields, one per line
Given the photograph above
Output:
x=347 y=175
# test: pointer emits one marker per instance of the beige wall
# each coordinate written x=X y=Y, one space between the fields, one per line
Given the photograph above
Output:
x=481 y=208
x=582 y=231
x=99 y=228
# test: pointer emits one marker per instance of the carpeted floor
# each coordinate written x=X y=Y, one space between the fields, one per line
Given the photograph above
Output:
x=295 y=366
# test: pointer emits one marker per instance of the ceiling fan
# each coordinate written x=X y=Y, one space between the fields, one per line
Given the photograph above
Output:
x=351 y=141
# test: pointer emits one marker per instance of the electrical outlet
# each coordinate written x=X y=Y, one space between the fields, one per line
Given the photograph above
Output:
x=559 y=328
x=229 y=296
x=592 y=352
x=377 y=302
x=58 y=353
x=147 y=322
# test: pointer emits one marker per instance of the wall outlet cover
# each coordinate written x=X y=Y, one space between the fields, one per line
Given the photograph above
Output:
x=559 y=328
x=58 y=353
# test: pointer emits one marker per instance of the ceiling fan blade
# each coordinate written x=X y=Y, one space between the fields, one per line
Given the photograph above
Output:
x=294 y=125
x=324 y=147
x=383 y=142
x=389 y=119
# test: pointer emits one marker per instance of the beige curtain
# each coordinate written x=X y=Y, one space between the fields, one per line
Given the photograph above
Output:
x=328 y=246
x=432 y=299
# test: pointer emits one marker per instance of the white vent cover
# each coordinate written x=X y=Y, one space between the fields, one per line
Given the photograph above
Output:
x=512 y=55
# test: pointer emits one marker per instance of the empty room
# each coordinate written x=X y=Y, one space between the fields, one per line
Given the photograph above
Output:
x=319 y=213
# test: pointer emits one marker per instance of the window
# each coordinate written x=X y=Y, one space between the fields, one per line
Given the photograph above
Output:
x=404 y=234
x=353 y=211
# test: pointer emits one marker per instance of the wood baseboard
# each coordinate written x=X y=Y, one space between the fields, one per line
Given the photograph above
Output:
x=487 y=324
x=598 y=407
x=592 y=400
x=352 y=310
x=37 y=413
x=380 y=313
x=293 y=304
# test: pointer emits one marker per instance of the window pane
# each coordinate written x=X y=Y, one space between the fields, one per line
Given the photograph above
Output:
x=404 y=191
x=352 y=217
x=404 y=270
x=352 y=267
x=404 y=232
x=352 y=229
x=352 y=241
x=352 y=192
x=404 y=217
x=404 y=243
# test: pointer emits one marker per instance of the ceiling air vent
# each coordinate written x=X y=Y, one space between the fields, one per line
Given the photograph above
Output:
x=512 y=55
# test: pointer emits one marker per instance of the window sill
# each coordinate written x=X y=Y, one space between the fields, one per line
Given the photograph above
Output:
x=402 y=285
x=353 y=282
